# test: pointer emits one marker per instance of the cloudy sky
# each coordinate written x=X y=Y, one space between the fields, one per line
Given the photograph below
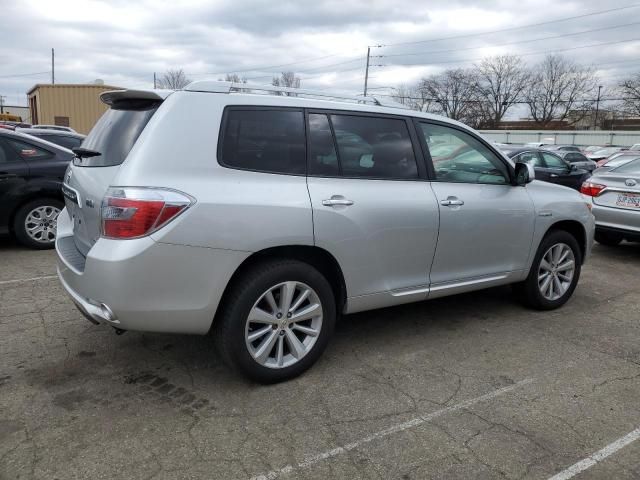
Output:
x=124 y=41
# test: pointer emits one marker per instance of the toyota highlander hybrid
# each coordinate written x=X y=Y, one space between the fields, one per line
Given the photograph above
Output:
x=280 y=209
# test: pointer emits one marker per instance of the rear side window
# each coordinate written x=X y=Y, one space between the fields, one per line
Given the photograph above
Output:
x=115 y=134
x=29 y=151
x=264 y=140
x=374 y=147
x=575 y=157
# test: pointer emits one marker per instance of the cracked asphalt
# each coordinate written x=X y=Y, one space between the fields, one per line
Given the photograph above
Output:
x=78 y=402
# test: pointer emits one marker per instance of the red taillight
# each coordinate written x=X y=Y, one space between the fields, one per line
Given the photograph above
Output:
x=591 y=189
x=600 y=163
x=135 y=212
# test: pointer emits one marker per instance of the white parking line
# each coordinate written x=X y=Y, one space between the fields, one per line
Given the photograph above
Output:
x=309 y=461
x=597 y=457
x=33 y=279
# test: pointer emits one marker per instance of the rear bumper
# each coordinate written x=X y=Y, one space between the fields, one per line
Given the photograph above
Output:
x=619 y=220
x=145 y=285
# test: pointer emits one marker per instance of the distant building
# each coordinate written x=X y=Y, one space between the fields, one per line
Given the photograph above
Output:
x=70 y=105
x=22 y=112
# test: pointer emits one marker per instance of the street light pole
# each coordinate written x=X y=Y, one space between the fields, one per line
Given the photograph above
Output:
x=595 y=122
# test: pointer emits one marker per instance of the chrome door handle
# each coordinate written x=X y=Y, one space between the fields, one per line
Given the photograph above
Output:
x=336 y=200
x=553 y=175
x=451 y=202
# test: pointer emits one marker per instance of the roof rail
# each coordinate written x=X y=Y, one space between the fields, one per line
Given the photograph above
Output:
x=231 y=87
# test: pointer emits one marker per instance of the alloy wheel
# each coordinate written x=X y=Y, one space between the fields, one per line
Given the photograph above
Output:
x=556 y=271
x=284 y=324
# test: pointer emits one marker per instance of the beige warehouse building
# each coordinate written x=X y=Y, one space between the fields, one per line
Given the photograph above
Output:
x=70 y=105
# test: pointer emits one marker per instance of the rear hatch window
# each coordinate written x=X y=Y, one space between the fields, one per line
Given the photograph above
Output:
x=116 y=132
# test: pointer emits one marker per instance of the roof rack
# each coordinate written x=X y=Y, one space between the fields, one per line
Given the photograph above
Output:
x=231 y=87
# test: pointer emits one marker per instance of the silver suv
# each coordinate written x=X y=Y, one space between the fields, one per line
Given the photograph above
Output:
x=260 y=214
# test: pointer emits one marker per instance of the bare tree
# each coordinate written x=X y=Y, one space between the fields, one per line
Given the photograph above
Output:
x=501 y=82
x=560 y=89
x=414 y=97
x=235 y=78
x=630 y=91
x=173 y=80
x=455 y=93
x=287 y=79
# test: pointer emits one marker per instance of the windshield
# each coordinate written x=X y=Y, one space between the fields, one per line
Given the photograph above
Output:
x=114 y=135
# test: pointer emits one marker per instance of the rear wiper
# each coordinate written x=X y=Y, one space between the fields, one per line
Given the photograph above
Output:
x=85 y=152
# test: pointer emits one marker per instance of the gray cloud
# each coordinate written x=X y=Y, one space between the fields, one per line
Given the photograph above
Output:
x=124 y=42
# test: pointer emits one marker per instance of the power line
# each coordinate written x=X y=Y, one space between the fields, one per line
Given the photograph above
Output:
x=600 y=12
x=25 y=74
x=271 y=67
x=541 y=52
x=511 y=43
x=308 y=60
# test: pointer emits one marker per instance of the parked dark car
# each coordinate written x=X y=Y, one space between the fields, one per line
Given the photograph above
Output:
x=577 y=159
x=31 y=173
x=65 y=139
x=550 y=167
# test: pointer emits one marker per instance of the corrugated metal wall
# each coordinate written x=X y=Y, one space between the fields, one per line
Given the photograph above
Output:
x=569 y=137
x=80 y=103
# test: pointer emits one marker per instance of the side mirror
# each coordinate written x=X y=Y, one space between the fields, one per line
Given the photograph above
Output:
x=525 y=173
x=573 y=167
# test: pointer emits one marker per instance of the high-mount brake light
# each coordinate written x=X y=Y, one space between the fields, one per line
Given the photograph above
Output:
x=133 y=212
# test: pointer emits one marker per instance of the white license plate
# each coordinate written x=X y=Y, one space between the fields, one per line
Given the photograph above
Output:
x=631 y=200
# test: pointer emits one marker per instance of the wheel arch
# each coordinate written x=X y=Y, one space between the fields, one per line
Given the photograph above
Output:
x=576 y=229
x=315 y=256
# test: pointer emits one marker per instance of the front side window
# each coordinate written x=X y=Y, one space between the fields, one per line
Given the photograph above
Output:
x=29 y=151
x=374 y=147
x=554 y=162
x=460 y=158
x=264 y=140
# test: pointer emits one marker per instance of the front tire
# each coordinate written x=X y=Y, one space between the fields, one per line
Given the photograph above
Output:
x=35 y=223
x=276 y=320
x=554 y=273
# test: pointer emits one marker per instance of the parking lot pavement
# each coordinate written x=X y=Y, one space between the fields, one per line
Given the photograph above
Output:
x=473 y=386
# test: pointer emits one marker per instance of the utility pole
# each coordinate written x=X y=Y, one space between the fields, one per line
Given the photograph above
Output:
x=2 y=97
x=595 y=122
x=53 y=67
x=366 y=72
x=154 y=80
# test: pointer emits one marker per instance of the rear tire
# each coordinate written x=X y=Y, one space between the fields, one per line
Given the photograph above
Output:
x=35 y=223
x=554 y=273
x=257 y=332
x=609 y=239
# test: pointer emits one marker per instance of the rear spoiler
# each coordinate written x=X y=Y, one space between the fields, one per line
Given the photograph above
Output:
x=113 y=97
